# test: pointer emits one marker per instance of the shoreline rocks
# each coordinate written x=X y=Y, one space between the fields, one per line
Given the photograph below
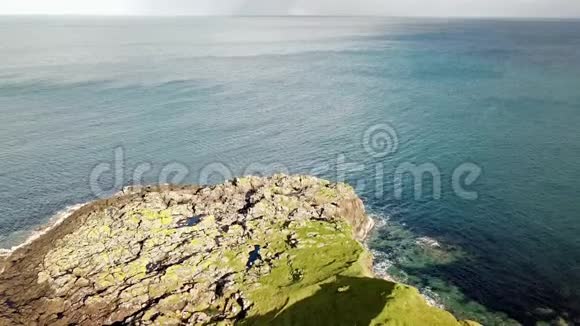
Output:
x=253 y=251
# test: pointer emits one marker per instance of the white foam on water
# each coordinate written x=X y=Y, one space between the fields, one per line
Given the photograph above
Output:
x=427 y=241
x=54 y=221
x=382 y=263
x=380 y=220
x=381 y=266
x=431 y=297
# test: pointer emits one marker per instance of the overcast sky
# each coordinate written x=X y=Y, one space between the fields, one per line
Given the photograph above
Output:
x=502 y=8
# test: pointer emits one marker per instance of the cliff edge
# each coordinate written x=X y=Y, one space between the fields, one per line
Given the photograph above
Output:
x=253 y=251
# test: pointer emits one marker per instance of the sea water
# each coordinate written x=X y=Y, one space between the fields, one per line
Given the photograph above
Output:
x=488 y=109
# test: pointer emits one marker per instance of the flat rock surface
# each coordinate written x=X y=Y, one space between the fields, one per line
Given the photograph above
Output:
x=280 y=250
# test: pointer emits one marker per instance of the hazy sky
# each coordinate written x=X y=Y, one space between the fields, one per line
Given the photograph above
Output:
x=510 y=8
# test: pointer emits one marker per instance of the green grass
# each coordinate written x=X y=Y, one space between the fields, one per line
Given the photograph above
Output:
x=334 y=287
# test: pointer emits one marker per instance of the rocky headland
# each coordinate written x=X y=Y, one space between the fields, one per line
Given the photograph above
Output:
x=252 y=251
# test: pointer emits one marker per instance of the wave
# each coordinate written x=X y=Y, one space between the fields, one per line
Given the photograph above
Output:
x=428 y=242
x=53 y=222
x=383 y=262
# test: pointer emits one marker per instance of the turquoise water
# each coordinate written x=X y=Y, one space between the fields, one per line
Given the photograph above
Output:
x=195 y=99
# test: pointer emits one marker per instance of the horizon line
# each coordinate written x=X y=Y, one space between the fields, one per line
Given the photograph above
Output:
x=287 y=16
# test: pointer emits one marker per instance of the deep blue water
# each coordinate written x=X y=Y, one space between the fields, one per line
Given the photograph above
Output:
x=196 y=98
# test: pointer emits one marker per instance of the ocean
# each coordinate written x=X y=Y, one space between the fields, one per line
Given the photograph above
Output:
x=461 y=136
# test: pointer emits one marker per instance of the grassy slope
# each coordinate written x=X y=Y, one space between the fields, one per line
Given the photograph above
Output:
x=326 y=281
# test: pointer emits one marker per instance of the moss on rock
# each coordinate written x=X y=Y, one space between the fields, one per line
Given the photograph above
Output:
x=254 y=251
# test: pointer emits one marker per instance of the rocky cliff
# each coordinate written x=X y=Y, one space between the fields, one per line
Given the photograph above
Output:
x=254 y=251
